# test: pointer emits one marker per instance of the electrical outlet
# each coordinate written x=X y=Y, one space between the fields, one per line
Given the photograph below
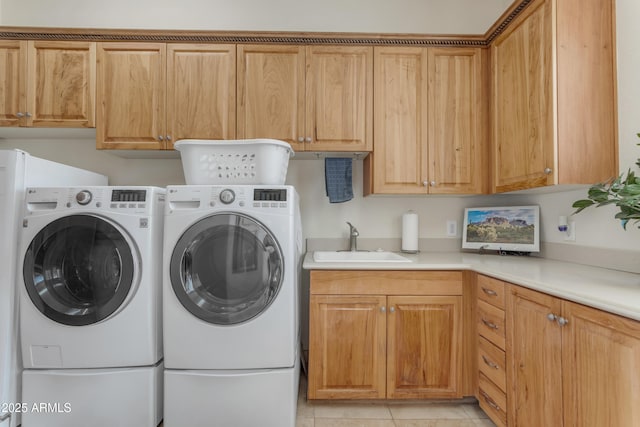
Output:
x=571 y=232
x=452 y=228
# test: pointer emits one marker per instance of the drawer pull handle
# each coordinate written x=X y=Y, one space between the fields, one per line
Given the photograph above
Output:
x=489 y=363
x=490 y=325
x=490 y=401
x=490 y=292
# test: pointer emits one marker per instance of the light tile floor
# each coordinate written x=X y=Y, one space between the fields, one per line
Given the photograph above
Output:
x=387 y=414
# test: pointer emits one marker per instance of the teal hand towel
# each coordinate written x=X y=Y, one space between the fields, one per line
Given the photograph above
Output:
x=338 y=179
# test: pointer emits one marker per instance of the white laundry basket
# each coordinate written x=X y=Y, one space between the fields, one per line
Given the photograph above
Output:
x=245 y=161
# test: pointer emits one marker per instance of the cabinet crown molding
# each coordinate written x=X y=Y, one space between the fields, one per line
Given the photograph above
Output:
x=306 y=38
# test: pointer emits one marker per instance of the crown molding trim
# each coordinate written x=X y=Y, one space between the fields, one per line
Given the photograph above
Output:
x=260 y=37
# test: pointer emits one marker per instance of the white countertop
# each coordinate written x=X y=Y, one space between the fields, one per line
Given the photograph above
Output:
x=611 y=290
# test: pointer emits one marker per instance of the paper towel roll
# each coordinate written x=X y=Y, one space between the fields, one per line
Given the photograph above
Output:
x=410 y=232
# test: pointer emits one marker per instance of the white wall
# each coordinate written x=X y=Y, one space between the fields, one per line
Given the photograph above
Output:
x=376 y=216
x=397 y=16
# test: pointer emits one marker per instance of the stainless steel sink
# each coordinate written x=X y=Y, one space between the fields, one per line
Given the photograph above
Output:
x=360 y=256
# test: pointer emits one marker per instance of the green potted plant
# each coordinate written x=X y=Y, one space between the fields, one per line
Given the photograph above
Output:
x=623 y=192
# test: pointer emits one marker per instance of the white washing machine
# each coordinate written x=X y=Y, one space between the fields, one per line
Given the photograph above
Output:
x=230 y=305
x=90 y=298
x=19 y=170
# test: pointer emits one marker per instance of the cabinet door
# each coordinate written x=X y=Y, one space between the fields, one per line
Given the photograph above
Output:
x=601 y=367
x=456 y=117
x=586 y=82
x=523 y=105
x=339 y=94
x=534 y=386
x=201 y=92
x=131 y=80
x=424 y=338
x=13 y=88
x=271 y=87
x=400 y=117
x=347 y=347
x=62 y=84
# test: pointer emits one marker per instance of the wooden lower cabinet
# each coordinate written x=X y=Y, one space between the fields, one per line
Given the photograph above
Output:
x=534 y=359
x=348 y=347
x=570 y=365
x=601 y=368
x=423 y=346
x=394 y=335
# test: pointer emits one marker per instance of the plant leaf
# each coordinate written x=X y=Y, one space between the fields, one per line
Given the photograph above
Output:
x=582 y=204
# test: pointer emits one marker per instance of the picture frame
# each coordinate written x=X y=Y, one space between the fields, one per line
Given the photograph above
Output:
x=502 y=228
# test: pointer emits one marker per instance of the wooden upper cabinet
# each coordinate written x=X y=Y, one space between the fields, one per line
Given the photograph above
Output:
x=316 y=98
x=271 y=85
x=429 y=133
x=48 y=84
x=13 y=56
x=554 y=101
x=131 y=96
x=399 y=161
x=153 y=94
x=201 y=92
x=339 y=98
x=457 y=117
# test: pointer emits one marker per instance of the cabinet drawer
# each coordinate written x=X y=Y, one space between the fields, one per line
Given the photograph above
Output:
x=491 y=323
x=493 y=401
x=491 y=290
x=491 y=362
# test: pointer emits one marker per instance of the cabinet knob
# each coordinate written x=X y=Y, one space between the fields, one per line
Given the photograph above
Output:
x=28 y=114
x=562 y=321
x=168 y=137
x=551 y=317
x=383 y=309
x=300 y=139
x=547 y=171
x=432 y=183
x=19 y=114
x=307 y=139
x=392 y=309
x=160 y=138
x=425 y=183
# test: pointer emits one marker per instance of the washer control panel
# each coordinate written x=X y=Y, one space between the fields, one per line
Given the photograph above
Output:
x=130 y=200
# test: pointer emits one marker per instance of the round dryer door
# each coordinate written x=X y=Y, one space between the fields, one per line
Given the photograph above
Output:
x=78 y=270
x=227 y=268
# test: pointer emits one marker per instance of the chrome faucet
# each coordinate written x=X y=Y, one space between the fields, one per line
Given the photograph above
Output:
x=353 y=238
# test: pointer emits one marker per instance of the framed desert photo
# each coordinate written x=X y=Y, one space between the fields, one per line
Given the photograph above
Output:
x=502 y=228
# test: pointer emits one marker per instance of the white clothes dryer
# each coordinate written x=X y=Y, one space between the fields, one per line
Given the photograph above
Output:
x=230 y=304
x=90 y=295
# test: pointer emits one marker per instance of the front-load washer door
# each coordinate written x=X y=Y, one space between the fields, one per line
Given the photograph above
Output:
x=226 y=269
x=78 y=270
